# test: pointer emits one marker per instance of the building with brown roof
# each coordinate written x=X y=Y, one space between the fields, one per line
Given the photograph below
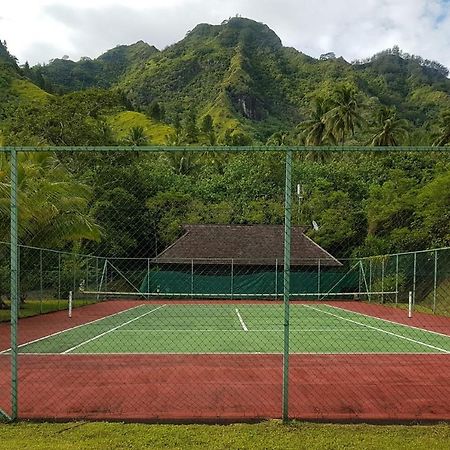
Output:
x=245 y=245
x=239 y=261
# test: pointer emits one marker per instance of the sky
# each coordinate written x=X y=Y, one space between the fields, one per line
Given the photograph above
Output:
x=39 y=30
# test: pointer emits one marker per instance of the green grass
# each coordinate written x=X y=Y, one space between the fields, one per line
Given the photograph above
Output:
x=29 y=91
x=151 y=328
x=267 y=435
x=122 y=123
x=33 y=307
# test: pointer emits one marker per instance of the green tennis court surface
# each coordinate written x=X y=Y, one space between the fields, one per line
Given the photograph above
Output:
x=238 y=328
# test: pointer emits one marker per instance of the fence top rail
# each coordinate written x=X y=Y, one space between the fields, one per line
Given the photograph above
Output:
x=430 y=250
x=229 y=149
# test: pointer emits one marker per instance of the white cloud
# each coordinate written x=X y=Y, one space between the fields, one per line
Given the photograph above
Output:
x=42 y=29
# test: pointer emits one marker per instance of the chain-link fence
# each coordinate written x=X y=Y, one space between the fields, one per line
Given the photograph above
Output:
x=225 y=283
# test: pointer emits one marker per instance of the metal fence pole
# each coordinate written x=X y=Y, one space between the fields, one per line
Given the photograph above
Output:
x=232 y=278
x=41 y=294
x=276 y=279
x=192 y=278
x=286 y=280
x=414 y=278
x=14 y=284
x=396 y=279
x=148 y=278
x=318 y=279
x=59 y=279
x=382 y=280
x=435 y=280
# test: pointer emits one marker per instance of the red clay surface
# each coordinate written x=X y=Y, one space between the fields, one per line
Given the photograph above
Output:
x=370 y=387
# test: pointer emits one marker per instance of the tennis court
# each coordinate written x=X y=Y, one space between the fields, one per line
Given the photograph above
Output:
x=218 y=361
x=238 y=328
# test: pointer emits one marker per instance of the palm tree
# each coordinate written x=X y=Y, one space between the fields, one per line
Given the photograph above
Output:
x=344 y=117
x=444 y=130
x=53 y=205
x=315 y=130
x=389 y=128
x=136 y=137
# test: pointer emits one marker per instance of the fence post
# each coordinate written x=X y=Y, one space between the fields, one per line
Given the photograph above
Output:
x=435 y=280
x=232 y=278
x=41 y=294
x=414 y=279
x=382 y=280
x=286 y=280
x=192 y=278
x=148 y=278
x=14 y=283
x=396 y=279
x=59 y=279
x=276 y=278
x=318 y=279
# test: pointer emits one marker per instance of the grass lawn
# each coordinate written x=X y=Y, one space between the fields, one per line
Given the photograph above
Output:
x=34 y=307
x=268 y=435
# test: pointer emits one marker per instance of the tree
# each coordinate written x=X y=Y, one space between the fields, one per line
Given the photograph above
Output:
x=443 y=137
x=316 y=130
x=389 y=128
x=190 y=128
x=136 y=137
x=344 y=117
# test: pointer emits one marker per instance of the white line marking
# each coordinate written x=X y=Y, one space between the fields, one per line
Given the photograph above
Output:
x=244 y=327
x=233 y=353
x=386 y=320
x=380 y=329
x=111 y=330
x=280 y=330
x=70 y=329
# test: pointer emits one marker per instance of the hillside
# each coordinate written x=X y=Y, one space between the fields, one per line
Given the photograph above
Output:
x=64 y=75
x=248 y=87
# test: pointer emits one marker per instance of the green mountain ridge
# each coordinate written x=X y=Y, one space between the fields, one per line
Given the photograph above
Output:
x=240 y=75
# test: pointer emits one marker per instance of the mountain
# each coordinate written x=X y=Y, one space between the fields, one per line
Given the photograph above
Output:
x=15 y=89
x=63 y=75
x=250 y=85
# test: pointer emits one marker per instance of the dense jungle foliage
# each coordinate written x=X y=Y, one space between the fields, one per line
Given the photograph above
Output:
x=231 y=84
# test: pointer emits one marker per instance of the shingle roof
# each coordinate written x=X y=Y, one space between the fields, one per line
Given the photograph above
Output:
x=245 y=244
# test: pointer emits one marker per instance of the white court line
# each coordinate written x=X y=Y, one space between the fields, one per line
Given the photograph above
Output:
x=111 y=330
x=70 y=329
x=244 y=327
x=230 y=353
x=386 y=320
x=379 y=329
x=193 y=330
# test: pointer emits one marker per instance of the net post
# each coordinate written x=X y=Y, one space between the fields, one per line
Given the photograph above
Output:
x=410 y=303
x=14 y=222
x=435 y=280
x=70 y=303
x=286 y=281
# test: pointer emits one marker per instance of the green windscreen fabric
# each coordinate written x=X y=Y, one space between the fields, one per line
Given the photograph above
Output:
x=257 y=283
